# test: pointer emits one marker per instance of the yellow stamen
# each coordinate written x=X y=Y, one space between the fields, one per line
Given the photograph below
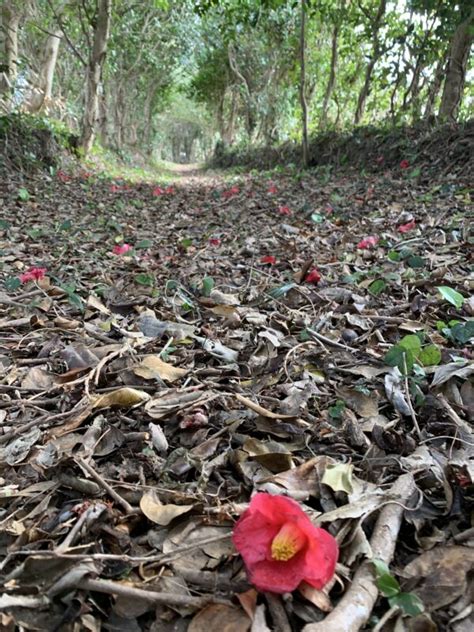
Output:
x=287 y=542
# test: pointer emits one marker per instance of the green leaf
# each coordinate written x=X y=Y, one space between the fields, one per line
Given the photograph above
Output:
x=75 y=300
x=317 y=218
x=416 y=262
x=4 y=224
x=23 y=194
x=408 y=602
x=186 y=243
x=463 y=332
x=411 y=343
x=388 y=585
x=399 y=357
x=144 y=244
x=66 y=225
x=453 y=297
x=12 y=283
x=335 y=412
x=145 y=279
x=207 y=285
x=377 y=286
x=394 y=255
x=430 y=355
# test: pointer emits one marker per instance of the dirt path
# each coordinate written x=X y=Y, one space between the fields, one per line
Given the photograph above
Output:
x=166 y=351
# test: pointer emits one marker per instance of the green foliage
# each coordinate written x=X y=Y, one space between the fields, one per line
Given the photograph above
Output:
x=409 y=603
x=450 y=295
x=410 y=350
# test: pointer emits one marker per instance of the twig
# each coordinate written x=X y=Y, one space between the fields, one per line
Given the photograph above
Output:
x=386 y=617
x=328 y=341
x=167 y=599
x=92 y=513
x=407 y=392
x=110 y=490
x=355 y=608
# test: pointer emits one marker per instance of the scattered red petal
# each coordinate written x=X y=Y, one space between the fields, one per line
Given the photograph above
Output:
x=405 y=228
x=268 y=259
x=272 y=188
x=284 y=210
x=170 y=190
x=367 y=242
x=158 y=191
x=33 y=274
x=214 y=241
x=64 y=177
x=313 y=276
x=121 y=249
x=404 y=164
x=281 y=547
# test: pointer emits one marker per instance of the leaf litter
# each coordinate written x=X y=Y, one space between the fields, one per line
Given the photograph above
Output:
x=165 y=352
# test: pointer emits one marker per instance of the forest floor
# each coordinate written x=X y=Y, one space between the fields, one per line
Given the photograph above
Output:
x=168 y=350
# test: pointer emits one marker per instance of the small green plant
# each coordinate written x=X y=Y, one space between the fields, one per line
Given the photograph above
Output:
x=408 y=603
x=410 y=351
x=457 y=331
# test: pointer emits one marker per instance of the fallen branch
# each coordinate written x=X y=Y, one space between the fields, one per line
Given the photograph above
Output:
x=355 y=608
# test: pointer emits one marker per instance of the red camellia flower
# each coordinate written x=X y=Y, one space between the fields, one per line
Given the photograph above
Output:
x=214 y=241
x=284 y=210
x=268 y=259
x=367 y=242
x=231 y=192
x=33 y=274
x=121 y=249
x=64 y=177
x=169 y=190
x=281 y=547
x=272 y=188
x=404 y=164
x=405 y=228
x=313 y=276
x=158 y=191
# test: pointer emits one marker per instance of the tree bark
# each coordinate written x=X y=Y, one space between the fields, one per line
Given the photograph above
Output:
x=435 y=87
x=332 y=77
x=304 y=105
x=43 y=91
x=364 y=93
x=94 y=74
x=9 y=71
x=456 y=71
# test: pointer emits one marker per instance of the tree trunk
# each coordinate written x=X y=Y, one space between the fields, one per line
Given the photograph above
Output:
x=332 y=77
x=456 y=71
x=364 y=93
x=304 y=105
x=94 y=73
x=42 y=93
x=9 y=68
x=435 y=87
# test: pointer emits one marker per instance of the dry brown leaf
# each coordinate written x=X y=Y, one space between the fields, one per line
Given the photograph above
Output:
x=161 y=514
x=153 y=367
x=220 y=617
x=121 y=398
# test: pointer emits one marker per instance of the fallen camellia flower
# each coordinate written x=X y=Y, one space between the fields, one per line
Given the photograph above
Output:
x=33 y=274
x=214 y=241
x=121 y=249
x=405 y=228
x=281 y=547
x=404 y=164
x=272 y=189
x=367 y=242
x=313 y=276
x=284 y=210
x=158 y=191
x=268 y=259
x=230 y=192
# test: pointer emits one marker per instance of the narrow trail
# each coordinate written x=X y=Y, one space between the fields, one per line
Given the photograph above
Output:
x=167 y=350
